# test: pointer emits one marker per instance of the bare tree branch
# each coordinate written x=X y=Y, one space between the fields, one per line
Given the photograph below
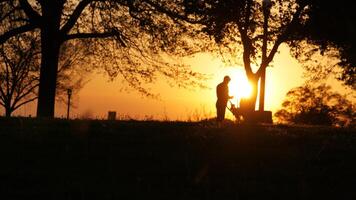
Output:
x=16 y=31
x=25 y=102
x=75 y=15
x=23 y=95
x=115 y=34
x=30 y=12
x=172 y=14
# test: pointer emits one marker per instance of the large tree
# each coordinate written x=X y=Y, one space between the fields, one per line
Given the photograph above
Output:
x=137 y=30
x=251 y=31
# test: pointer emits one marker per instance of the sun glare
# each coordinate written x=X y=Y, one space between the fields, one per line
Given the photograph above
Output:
x=239 y=86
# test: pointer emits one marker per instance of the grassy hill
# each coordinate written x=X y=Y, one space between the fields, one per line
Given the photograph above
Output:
x=59 y=159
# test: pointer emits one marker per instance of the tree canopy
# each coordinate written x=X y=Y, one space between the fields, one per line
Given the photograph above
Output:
x=332 y=24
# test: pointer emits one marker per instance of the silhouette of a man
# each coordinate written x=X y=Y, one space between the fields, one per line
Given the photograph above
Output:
x=222 y=93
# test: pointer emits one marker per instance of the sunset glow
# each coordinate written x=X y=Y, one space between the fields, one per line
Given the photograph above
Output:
x=239 y=85
x=177 y=103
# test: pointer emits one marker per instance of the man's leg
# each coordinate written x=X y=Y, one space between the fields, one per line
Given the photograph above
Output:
x=218 y=115
x=223 y=109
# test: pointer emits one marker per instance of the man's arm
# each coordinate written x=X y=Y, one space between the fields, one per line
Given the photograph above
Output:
x=227 y=94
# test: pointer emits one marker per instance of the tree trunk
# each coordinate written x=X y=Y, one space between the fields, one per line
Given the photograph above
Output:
x=48 y=73
x=50 y=45
x=8 y=112
x=262 y=90
x=254 y=84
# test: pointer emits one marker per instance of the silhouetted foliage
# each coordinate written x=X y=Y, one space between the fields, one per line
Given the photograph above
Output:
x=133 y=36
x=332 y=24
x=316 y=105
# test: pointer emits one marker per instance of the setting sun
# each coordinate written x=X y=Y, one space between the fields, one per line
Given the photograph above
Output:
x=239 y=86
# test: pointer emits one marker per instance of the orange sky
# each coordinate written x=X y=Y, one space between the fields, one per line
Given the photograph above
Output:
x=100 y=96
x=185 y=104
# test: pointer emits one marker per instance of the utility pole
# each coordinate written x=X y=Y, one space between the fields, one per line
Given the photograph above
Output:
x=69 y=93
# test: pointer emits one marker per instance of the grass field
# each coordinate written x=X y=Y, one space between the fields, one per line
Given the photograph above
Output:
x=59 y=159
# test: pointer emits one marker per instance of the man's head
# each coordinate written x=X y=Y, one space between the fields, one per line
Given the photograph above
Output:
x=227 y=79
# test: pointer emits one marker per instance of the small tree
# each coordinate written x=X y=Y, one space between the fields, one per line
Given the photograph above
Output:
x=316 y=105
x=19 y=69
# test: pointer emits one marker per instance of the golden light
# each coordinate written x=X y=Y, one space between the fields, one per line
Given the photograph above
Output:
x=239 y=86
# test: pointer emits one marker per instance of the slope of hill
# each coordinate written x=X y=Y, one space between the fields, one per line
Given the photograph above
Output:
x=58 y=159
